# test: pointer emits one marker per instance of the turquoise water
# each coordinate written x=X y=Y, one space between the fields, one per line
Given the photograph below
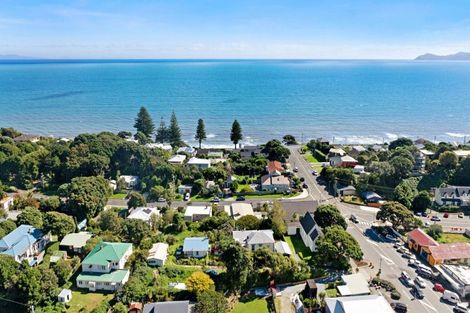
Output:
x=352 y=101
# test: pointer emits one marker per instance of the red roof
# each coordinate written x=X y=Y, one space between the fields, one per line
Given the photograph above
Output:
x=135 y=305
x=274 y=166
x=451 y=251
x=421 y=238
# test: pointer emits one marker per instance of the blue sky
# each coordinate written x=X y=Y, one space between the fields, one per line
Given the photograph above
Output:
x=233 y=28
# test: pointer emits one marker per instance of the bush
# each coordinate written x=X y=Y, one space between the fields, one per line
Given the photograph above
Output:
x=448 y=208
x=395 y=295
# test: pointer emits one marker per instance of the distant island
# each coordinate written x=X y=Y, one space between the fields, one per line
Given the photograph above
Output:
x=459 y=56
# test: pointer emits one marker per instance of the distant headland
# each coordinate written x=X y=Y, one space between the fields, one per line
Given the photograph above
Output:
x=459 y=56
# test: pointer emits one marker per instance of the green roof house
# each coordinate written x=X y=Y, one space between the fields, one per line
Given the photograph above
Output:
x=103 y=267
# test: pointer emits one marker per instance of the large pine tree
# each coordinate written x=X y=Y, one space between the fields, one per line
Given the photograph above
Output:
x=200 y=132
x=236 y=133
x=174 y=131
x=162 y=132
x=144 y=123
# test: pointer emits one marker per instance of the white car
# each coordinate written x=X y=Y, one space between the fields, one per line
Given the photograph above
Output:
x=420 y=282
x=187 y=196
x=405 y=275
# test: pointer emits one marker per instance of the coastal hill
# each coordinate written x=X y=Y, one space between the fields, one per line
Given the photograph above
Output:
x=459 y=56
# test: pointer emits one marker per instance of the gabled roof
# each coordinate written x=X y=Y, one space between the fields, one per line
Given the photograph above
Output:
x=178 y=158
x=282 y=247
x=196 y=244
x=358 y=304
x=307 y=222
x=158 y=251
x=106 y=252
x=451 y=251
x=253 y=237
x=274 y=180
x=198 y=161
x=116 y=276
x=76 y=240
x=143 y=213
x=19 y=240
x=421 y=238
x=355 y=284
x=167 y=307
x=274 y=166
x=198 y=210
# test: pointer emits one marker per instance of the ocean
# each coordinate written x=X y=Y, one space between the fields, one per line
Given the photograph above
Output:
x=343 y=101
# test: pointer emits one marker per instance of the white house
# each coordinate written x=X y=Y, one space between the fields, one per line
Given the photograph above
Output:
x=162 y=146
x=75 y=242
x=255 y=239
x=103 y=268
x=130 y=181
x=354 y=285
x=197 y=213
x=453 y=195
x=6 y=203
x=25 y=243
x=187 y=150
x=250 y=151
x=196 y=247
x=158 y=254
x=184 y=189
x=143 y=213
x=359 y=169
x=309 y=231
x=177 y=159
x=65 y=296
x=239 y=209
x=199 y=163
x=358 y=304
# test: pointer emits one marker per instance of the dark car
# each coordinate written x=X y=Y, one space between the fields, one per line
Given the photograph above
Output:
x=417 y=292
x=399 y=307
x=424 y=214
x=215 y=199
x=302 y=179
x=304 y=186
x=241 y=198
x=353 y=219
x=446 y=215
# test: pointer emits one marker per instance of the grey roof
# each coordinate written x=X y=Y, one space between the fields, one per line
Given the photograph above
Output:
x=76 y=240
x=196 y=244
x=307 y=222
x=453 y=191
x=167 y=307
x=250 y=237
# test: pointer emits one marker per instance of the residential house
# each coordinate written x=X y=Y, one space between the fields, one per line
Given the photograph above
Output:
x=163 y=146
x=215 y=154
x=197 y=213
x=199 y=163
x=358 y=304
x=184 y=189
x=239 y=209
x=255 y=239
x=6 y=203
x=187 y=150
x=359 y=169
x=158 y=254
x=274 y=167
x=309 y=231
x=371 y=197
x=335 y=152
x=462 y=154
x=343 y=161
x=177 y=159
x=453 y=195
x=275 y=182
x=196 y=247
x=103 y=268
x=347 y=191
x=167 y=307
x=74 y=243
x=131 y=182
x=250 y=151
x=357 y=150
x=143 y=214
x=283 y=248
x=25 y=243
x=64 y=296
x=354 y=285
x=27 y=137
x=420 y=242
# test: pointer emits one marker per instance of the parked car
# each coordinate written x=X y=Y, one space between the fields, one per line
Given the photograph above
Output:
x=407 y=254
x=179 y=251
x=451 y=297
x=305 y=186
x=401 y=250
x=215 y=199
x=409 y=283
x=420 y=282
x=353 y=219
x=302 y=179
x=417 y=292
x=419 y=214
x=405 y=275
x=460 y=215
x=390 y=238
x=187 y=196
x=461 y=308
x=435 y=218
x=427 y=224
x=240 y=198
x=399 y=307
x=397 y=244
x=412 y=262
x=161 y=199
x=314 y=173
x=446 y=215
x=438 y=287
x=426 y=273
x=425 y=214
x=296 y=169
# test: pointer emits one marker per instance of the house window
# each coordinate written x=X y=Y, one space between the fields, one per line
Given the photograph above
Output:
x=103 y=267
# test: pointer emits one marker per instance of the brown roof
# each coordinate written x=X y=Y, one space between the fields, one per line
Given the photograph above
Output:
x=274 y=180
x=451 y=251
x=274 y=166
x=421 y=238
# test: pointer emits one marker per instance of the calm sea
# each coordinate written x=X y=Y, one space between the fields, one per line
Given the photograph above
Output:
x=352 y=101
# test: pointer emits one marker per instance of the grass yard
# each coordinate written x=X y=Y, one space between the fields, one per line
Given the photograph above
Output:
x=449 y=238
x=88 y=300
x=353 y=200
x=297 y=245
x=119 y=196
x=256 y=305
x=331 y=293
x=316 y=165
x=270 y=196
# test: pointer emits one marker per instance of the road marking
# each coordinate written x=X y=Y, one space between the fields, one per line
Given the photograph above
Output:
x=389 y=261
x=372 y=243
x=428 y=305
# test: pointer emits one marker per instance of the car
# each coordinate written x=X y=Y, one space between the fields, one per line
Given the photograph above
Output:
x=409 y=283
x=353 y=219
x=314 y=173
x=390 y=238
x=419 y=214
x=160 y=199
x=407 y=254
x=417 y=292
x=405 y=275
x=427 y=224
x=424 y=214
x=302 y=179
x=420 y=282
x=215 y=199
x=435 y=218
x=305 y=186
x=240 y=198
x=451 y=297
x=187 y=196
x=460 y=215
x=296 y=169
x=446 y=215
x=426 y=273
x=399 y=307
x=401 y=250
x=461 y=308
x=179 y=251
x=438 y=287
x=412 y=262
x=397 y=244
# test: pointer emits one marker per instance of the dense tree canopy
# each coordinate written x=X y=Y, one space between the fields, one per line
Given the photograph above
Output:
x=396 y=213
x=328 y=215
x=87 y=196
x=30 y=216
x=174 y=132
x=275 y=151
x=199 y=282
x=336 y=246
x=238 y=264
x=211 y=302
x=400 y=142
x=59 y=224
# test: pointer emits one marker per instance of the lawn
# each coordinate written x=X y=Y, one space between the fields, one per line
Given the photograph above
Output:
x=449 y=238
x=119 y=196
x=353 y=200
x=269 y=196
x=88 y=300
x=313 y=161
x=256 y=305
x=297 y=245
x=331 y=293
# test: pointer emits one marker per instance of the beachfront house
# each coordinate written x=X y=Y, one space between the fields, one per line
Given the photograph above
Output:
x=453 y=195
x=143 y=214
x=343 y=161
x=196 y=247
x=158 y=254
x=357 y=150
x=250 y=151
x=371 y=197
x=199 y=163
x=162 y=146
x=197 y=213
x=462 y=154
x=255 y=239
x=74 y=243
x=187 y=150
x=335 y=152
x=103 y=268
x=25 y=243
x=309 y=231
x=274 y=167
x=177 y=159
x=130 y=181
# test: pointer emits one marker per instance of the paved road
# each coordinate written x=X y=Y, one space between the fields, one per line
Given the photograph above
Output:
x=374 y=250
